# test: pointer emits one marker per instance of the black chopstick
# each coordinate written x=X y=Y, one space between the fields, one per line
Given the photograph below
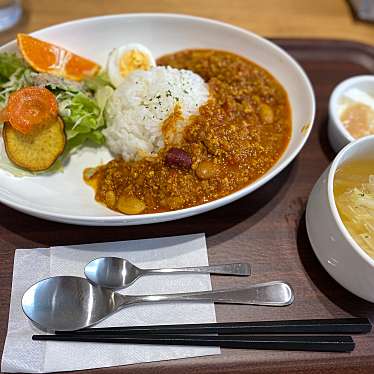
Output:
x=289 y=343
x=312 y=326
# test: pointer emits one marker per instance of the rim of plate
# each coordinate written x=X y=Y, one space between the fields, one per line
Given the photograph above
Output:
x=331 y=199
x=181 y=213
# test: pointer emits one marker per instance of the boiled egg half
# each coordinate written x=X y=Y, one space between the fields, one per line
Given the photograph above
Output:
x=125 y=59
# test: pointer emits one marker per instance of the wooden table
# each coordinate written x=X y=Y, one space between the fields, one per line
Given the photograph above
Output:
x=266 y=228
x=272 y=18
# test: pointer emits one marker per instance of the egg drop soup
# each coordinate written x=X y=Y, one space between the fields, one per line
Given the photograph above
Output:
x=354 y=197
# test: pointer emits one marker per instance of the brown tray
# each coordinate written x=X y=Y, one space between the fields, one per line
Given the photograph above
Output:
x=266 y=228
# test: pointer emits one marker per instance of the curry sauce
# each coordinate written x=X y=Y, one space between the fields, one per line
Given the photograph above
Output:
x=238 y=135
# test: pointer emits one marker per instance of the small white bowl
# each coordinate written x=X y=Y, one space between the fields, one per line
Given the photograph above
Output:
x=338 y=135
x=335 y=248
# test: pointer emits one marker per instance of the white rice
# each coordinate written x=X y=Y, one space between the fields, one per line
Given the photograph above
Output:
x=144 y=100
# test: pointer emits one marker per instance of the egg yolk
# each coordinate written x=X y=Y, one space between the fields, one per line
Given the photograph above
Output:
x=133 y=60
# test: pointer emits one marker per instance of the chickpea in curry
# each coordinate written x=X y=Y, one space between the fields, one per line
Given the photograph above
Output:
x=238 y=135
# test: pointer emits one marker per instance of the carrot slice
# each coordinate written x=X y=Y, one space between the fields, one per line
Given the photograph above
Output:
x=50 y=58
x=31 y=106
x=4 y=115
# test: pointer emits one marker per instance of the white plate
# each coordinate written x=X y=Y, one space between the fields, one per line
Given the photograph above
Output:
x=64 y=197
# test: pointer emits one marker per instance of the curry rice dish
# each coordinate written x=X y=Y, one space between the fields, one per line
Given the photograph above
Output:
x=236 y=136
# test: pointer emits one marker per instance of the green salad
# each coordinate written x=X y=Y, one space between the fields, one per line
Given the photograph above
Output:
x=80 y=104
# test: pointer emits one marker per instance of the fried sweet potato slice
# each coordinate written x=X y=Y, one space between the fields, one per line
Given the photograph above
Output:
x=38 y=149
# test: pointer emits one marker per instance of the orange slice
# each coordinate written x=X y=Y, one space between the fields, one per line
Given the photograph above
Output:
x=49 y=58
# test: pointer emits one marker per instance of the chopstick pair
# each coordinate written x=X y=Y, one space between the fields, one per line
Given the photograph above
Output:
x=308 y=326
x=288 y=343
x=231 y=335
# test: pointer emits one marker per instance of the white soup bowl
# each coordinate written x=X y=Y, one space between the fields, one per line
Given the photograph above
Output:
x=335 y=248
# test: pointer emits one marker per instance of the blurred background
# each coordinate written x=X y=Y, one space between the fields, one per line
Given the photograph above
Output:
x=332 y=19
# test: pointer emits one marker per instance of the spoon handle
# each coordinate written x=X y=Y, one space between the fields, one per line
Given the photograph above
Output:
x=269 y=294
x=241 y=269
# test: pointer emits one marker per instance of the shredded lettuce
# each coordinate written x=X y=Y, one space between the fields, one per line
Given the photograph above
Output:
x=82 y=109
x=14 y=74
x=98 y=81
x=80 y=113
x=83 y=116
x=10 y=63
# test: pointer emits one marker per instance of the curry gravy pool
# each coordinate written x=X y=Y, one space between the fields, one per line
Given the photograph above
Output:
x=237 y=136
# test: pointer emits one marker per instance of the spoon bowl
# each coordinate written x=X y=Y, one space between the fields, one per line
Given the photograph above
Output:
x=67 y=303
x=112 y=272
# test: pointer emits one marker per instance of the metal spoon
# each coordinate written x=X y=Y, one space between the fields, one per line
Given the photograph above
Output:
x=117 y=273
x=72 y=303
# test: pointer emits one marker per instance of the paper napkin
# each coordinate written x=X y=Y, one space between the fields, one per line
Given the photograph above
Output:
x=21 y=354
